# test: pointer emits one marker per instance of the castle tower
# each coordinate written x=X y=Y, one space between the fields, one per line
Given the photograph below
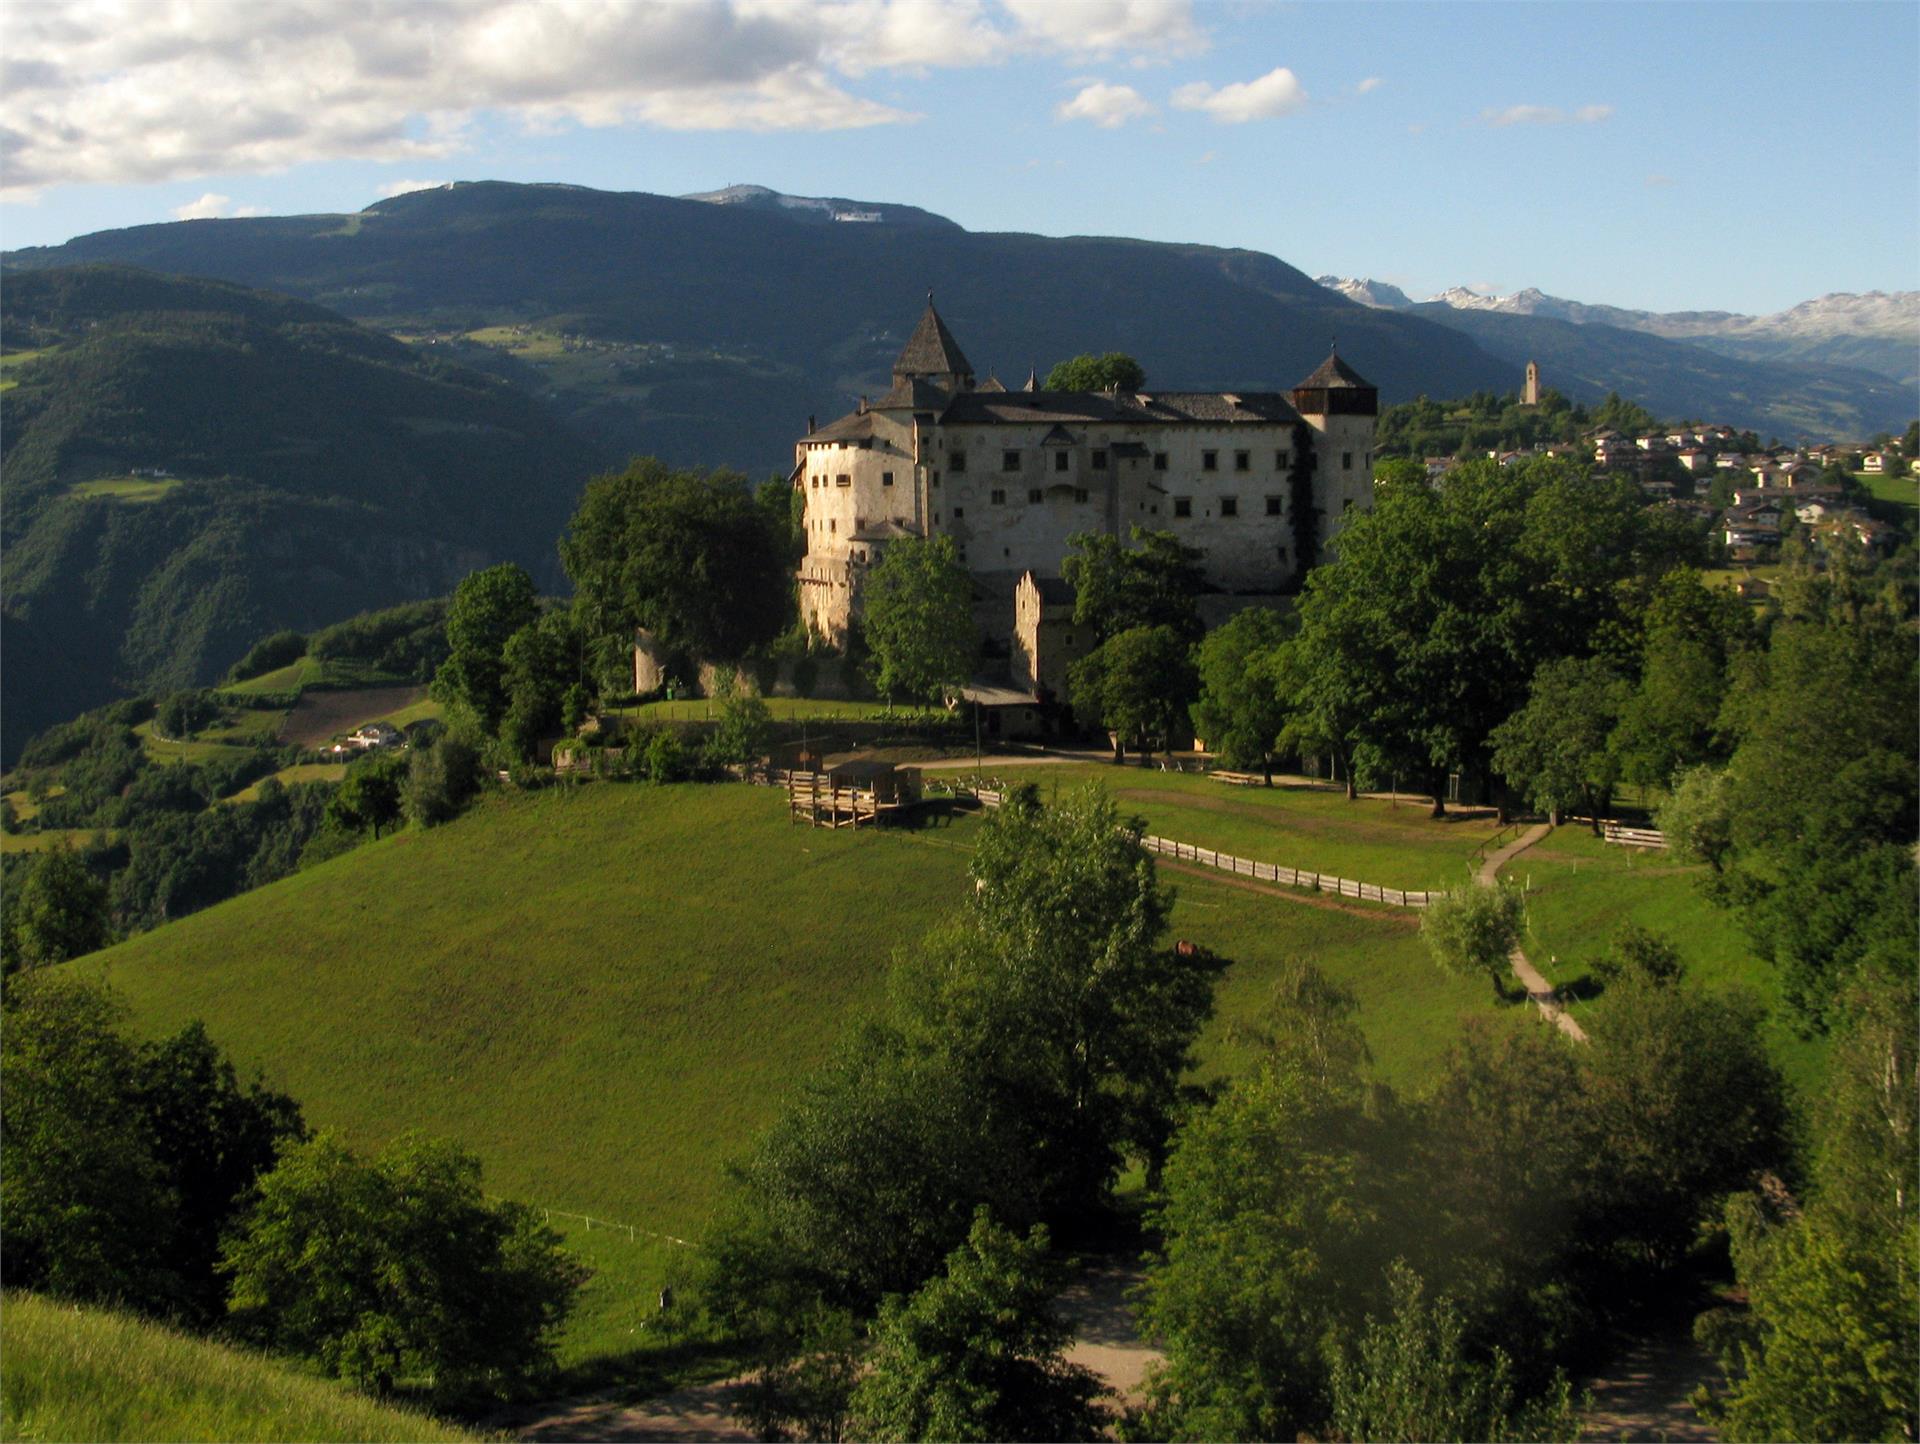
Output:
x=932 y=355
x=1531 y=396
x=1344 y=408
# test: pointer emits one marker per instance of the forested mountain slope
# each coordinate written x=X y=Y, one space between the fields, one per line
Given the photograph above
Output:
x=310 y=469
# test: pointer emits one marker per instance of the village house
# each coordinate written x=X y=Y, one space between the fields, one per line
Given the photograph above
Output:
x=1010 y=475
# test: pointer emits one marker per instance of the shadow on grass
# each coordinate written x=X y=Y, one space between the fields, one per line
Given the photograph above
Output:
x=631 y=1376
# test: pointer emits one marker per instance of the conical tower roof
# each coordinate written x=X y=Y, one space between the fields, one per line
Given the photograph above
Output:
x=931 y=350
x=1333 y=372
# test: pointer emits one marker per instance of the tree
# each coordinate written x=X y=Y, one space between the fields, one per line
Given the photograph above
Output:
x=1444 y=602
x=87 y=1205
x=397 y=1268
x=1087 y=372
x=1409 y=1377
x=745 y=730
x=1555 y=749
x=1241 y=708
x=1685 y=1108
x=1137 y=685
x=58 y=910
x=1671 y=719
x=441 y=776
x=369 y=795
x=1696 y=819
x=488 y=607
x=1475 y=930
x=1638 y=952
x=976 y=1354
x=1151 y=583
x=918 y=605
x=210 y=1138
x=539 y=664
x=690 y=555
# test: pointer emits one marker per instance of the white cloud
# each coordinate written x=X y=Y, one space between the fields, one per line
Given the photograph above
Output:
x=1368 y=86
x=407 y=187
x=1545 y=115
x=1276 y=93
x=1107 y=106
x=213 y=207
x=132 y=91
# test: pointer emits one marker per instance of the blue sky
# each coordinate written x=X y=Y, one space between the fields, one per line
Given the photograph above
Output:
x=1729 y=156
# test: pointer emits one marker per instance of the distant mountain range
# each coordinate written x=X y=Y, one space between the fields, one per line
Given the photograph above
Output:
x=708 y=329
x=1878 y=331
x=190 y=465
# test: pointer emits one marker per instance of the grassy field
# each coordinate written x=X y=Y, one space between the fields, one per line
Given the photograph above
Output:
x=135 y=490
x=1581 y=890
x=1295 y=826
x=786 y=709
x=1896 y=489
x=53 y=837
x=287 y=776
x=606 y=991
x=85 y=1374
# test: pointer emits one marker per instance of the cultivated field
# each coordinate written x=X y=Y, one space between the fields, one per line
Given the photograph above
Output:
x=321 y=716
x=85 y=1373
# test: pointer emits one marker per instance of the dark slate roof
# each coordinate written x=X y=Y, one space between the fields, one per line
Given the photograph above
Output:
x=854 y=426
x=992 y=383
x=1334 y=372
x=914 y=393
x=931 y=349
x=885 y=530
x=1017 y=408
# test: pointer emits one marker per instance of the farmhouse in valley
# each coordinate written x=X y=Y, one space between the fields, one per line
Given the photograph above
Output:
x=1010 y=475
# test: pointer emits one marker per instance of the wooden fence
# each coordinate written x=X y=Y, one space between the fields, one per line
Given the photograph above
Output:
x=1624 y=836
x=1266 y=871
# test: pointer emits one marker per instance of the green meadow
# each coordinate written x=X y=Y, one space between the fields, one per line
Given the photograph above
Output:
x=134 y=490
x=607 y=990
x=77 y=1373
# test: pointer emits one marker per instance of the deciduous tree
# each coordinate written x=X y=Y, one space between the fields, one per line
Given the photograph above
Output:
x=488 y=607
x=1137 y=685
x=1087 y=372
x=1241 y=708
x=918 y=605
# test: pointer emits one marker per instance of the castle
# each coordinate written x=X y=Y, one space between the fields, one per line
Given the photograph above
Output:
x=1010 y=475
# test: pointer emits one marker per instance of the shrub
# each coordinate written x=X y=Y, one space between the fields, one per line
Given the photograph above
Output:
x=1474 y=930
x=269 y=654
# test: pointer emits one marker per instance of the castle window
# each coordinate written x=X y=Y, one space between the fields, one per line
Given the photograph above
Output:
x=859 y=523
x=1159 y=461
x=1346 y=461
x=1243 y=461
x=1282 y=460
x=956 y=461
x=1273 y=506
x=958 y=512
x=1183 y=506
x=1080 y=494
x=886 y=478
x=1099 y=460
x=1283 y=555
x=1346 y=506
x=999 y=498
x=1009 y=461
x=1209 y=461
x=843 y=480
x=1060 y=461
x=1229 y=506
x=1034 y=494
x=832 y=525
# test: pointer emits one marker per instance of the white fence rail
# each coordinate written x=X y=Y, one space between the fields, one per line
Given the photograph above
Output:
x=1624 y=836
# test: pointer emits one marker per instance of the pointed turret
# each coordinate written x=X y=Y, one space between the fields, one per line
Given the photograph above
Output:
x=931 y=354
x=1336 y=389
x=1033 y=380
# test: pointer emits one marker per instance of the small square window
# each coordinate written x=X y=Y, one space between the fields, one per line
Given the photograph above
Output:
x=999 y=498
x=886 y=478
x=1009 y=461
x=1209 y=461
x=1282 y=460
x=958 y=512
x=1273 y=506
x=1183 y=506
x=832 y=525
x=1346 y=461
x=1034 y=494
x=843 y=480
x=1080 y=494
x=1229 y=506
x=1159 y=461
x=1283 y=555
x=1099 y=459
x=1060 y=461
x=1243 y=461
x=859 y=523
x=957 y=461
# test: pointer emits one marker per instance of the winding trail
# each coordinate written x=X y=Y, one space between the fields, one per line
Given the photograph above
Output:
x=1539 y=990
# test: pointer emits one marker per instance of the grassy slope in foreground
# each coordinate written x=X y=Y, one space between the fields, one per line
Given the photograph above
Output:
x=81 y=1374
x=606 y=992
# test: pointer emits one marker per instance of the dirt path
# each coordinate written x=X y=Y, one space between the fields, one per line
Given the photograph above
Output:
x=1645 y=1394
x=321 y=716
x=1106 y=1336
x=1539 y=990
